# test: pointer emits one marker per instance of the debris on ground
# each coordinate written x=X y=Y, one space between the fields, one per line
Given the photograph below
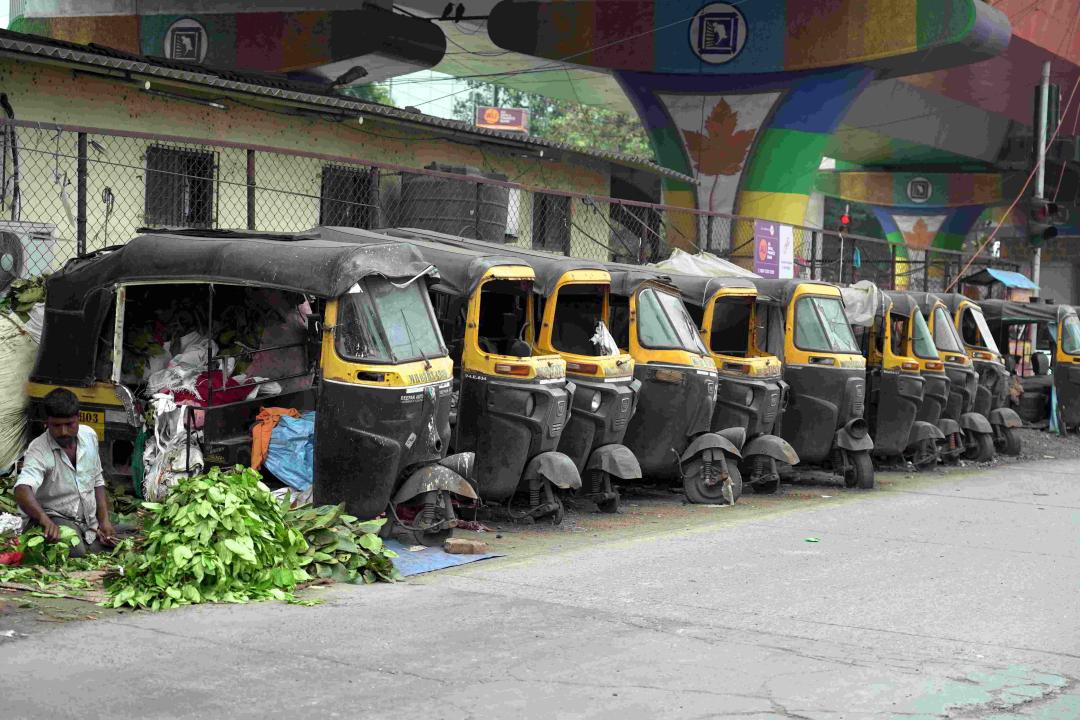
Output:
x=464 y=546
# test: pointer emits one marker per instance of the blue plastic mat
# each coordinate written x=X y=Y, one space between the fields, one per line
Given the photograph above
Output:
x=410 y=562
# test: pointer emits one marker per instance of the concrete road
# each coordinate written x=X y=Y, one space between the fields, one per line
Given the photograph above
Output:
x=955 y=597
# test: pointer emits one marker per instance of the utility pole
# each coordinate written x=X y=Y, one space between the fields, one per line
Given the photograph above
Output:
x=1040 y=171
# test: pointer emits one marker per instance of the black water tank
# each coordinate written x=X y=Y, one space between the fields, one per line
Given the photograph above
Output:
x=456 y=207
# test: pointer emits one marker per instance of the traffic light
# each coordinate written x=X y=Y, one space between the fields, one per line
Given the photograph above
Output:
x=845 y=219
x=1042 y=221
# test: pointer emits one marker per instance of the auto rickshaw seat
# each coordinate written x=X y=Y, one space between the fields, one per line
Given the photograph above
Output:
x=1040 y=364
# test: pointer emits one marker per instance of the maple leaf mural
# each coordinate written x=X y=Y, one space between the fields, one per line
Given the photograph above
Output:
x=721 y=149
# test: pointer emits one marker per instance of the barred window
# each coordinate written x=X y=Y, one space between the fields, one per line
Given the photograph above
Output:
x=349 y=196
x=551 y=223
x=180 y=187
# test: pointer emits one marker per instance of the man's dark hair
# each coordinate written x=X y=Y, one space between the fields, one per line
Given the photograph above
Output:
x=61 y=403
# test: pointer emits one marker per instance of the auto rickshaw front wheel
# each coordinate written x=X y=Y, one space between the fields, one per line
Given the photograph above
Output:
x=696 y=483
x=1009 y=442
x=859 y=470
x=980 y=447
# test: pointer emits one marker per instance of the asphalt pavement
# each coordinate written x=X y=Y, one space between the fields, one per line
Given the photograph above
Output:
x=955 y=597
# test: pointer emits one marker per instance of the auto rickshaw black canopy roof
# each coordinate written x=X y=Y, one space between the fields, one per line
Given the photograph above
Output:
x=924 y=300
x=460 y=268
x=694 y=289
x=1010 y=311
x=903 y=303
x=549 y=267
x=781 y=291
x=79 y=297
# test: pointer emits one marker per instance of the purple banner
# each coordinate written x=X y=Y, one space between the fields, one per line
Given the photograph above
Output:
x=767 y=248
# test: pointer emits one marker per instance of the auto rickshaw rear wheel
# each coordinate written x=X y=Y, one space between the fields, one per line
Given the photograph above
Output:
x=699 y=491
x=980 y=447
x=925 y=455
x=1009 y=444
x=859 y=470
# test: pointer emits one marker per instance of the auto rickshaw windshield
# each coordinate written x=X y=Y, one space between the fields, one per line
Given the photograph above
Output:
x=821 y=326
x=924 y=343
x=975 y=330
x=663 y=323
x=384 y=323
x=1070 y=335
x=945 y=336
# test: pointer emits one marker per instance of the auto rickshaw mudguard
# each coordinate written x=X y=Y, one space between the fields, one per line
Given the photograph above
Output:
x=948 y=427
x=615 y=460
x=463 y=463
x=711 y=440
x=433 y=478
x=1006 y=417
x=772 y=446
x=922 y=430
x=556 y=468
x=853 y=437
x=737 y=436
x=976 y=423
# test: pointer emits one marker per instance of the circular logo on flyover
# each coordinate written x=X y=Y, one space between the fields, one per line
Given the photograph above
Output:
x=718 y=33
x=186 y=40
x=491 y=116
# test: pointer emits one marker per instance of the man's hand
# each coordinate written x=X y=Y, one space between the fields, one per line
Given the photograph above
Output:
x=106 y=533
x=52 y=530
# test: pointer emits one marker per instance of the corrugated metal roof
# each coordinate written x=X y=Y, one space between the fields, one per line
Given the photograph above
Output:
x=278 y=87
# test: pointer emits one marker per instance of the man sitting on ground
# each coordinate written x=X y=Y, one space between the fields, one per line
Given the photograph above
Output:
x=61 y=482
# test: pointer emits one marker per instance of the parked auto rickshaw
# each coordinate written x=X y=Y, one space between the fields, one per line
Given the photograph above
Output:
x=512 y=404
x=992 y=394
x=671 y=432
x=572 y=321
x=1051 y=364
x=750 y=392
x=804 y=325
x=892 y=375
x=967 y=432
x=924 y=451
x=365 y=355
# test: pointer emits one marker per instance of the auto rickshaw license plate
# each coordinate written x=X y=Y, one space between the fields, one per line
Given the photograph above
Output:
x=95 y=420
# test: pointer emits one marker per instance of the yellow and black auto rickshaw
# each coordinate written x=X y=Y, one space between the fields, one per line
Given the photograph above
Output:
x=967 y=432
x=884 y=329
x=1049 y=371
x=751 y=393
x=571 y=320
x=230 y=322
x=804 y=324
x=671 y=432
x=512 y=404
x=925 y=451
x=992 y=394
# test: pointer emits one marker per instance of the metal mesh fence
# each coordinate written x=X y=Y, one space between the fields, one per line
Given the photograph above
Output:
x=65 y=192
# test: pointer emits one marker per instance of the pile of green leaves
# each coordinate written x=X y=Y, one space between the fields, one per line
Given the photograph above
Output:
x=7 y=495
x=49 y=567
x=23 y=296
x=218 y=537
x=341 y=548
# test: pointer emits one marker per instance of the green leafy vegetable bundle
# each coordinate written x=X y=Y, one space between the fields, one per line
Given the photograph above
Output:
x=341 y=548
x=23 y=295
x=219 y=537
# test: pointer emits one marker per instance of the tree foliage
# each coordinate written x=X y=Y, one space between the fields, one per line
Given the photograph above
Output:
x=581 y=126
x=373 y=93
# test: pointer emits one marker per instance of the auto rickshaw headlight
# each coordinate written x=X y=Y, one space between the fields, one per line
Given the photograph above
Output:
x=530 y=405
x=594 y=404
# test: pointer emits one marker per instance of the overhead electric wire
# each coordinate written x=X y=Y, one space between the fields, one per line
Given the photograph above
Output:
x=1016 y=201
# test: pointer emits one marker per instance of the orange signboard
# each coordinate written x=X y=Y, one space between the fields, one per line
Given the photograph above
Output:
x=493 y=118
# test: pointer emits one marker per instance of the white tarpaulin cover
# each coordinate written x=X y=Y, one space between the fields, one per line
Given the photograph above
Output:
x=18 y=349
x=702 y=264
x=862 y=302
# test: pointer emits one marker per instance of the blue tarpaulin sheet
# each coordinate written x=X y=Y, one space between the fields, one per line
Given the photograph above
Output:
x=1007 y=277
x=429 y=559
